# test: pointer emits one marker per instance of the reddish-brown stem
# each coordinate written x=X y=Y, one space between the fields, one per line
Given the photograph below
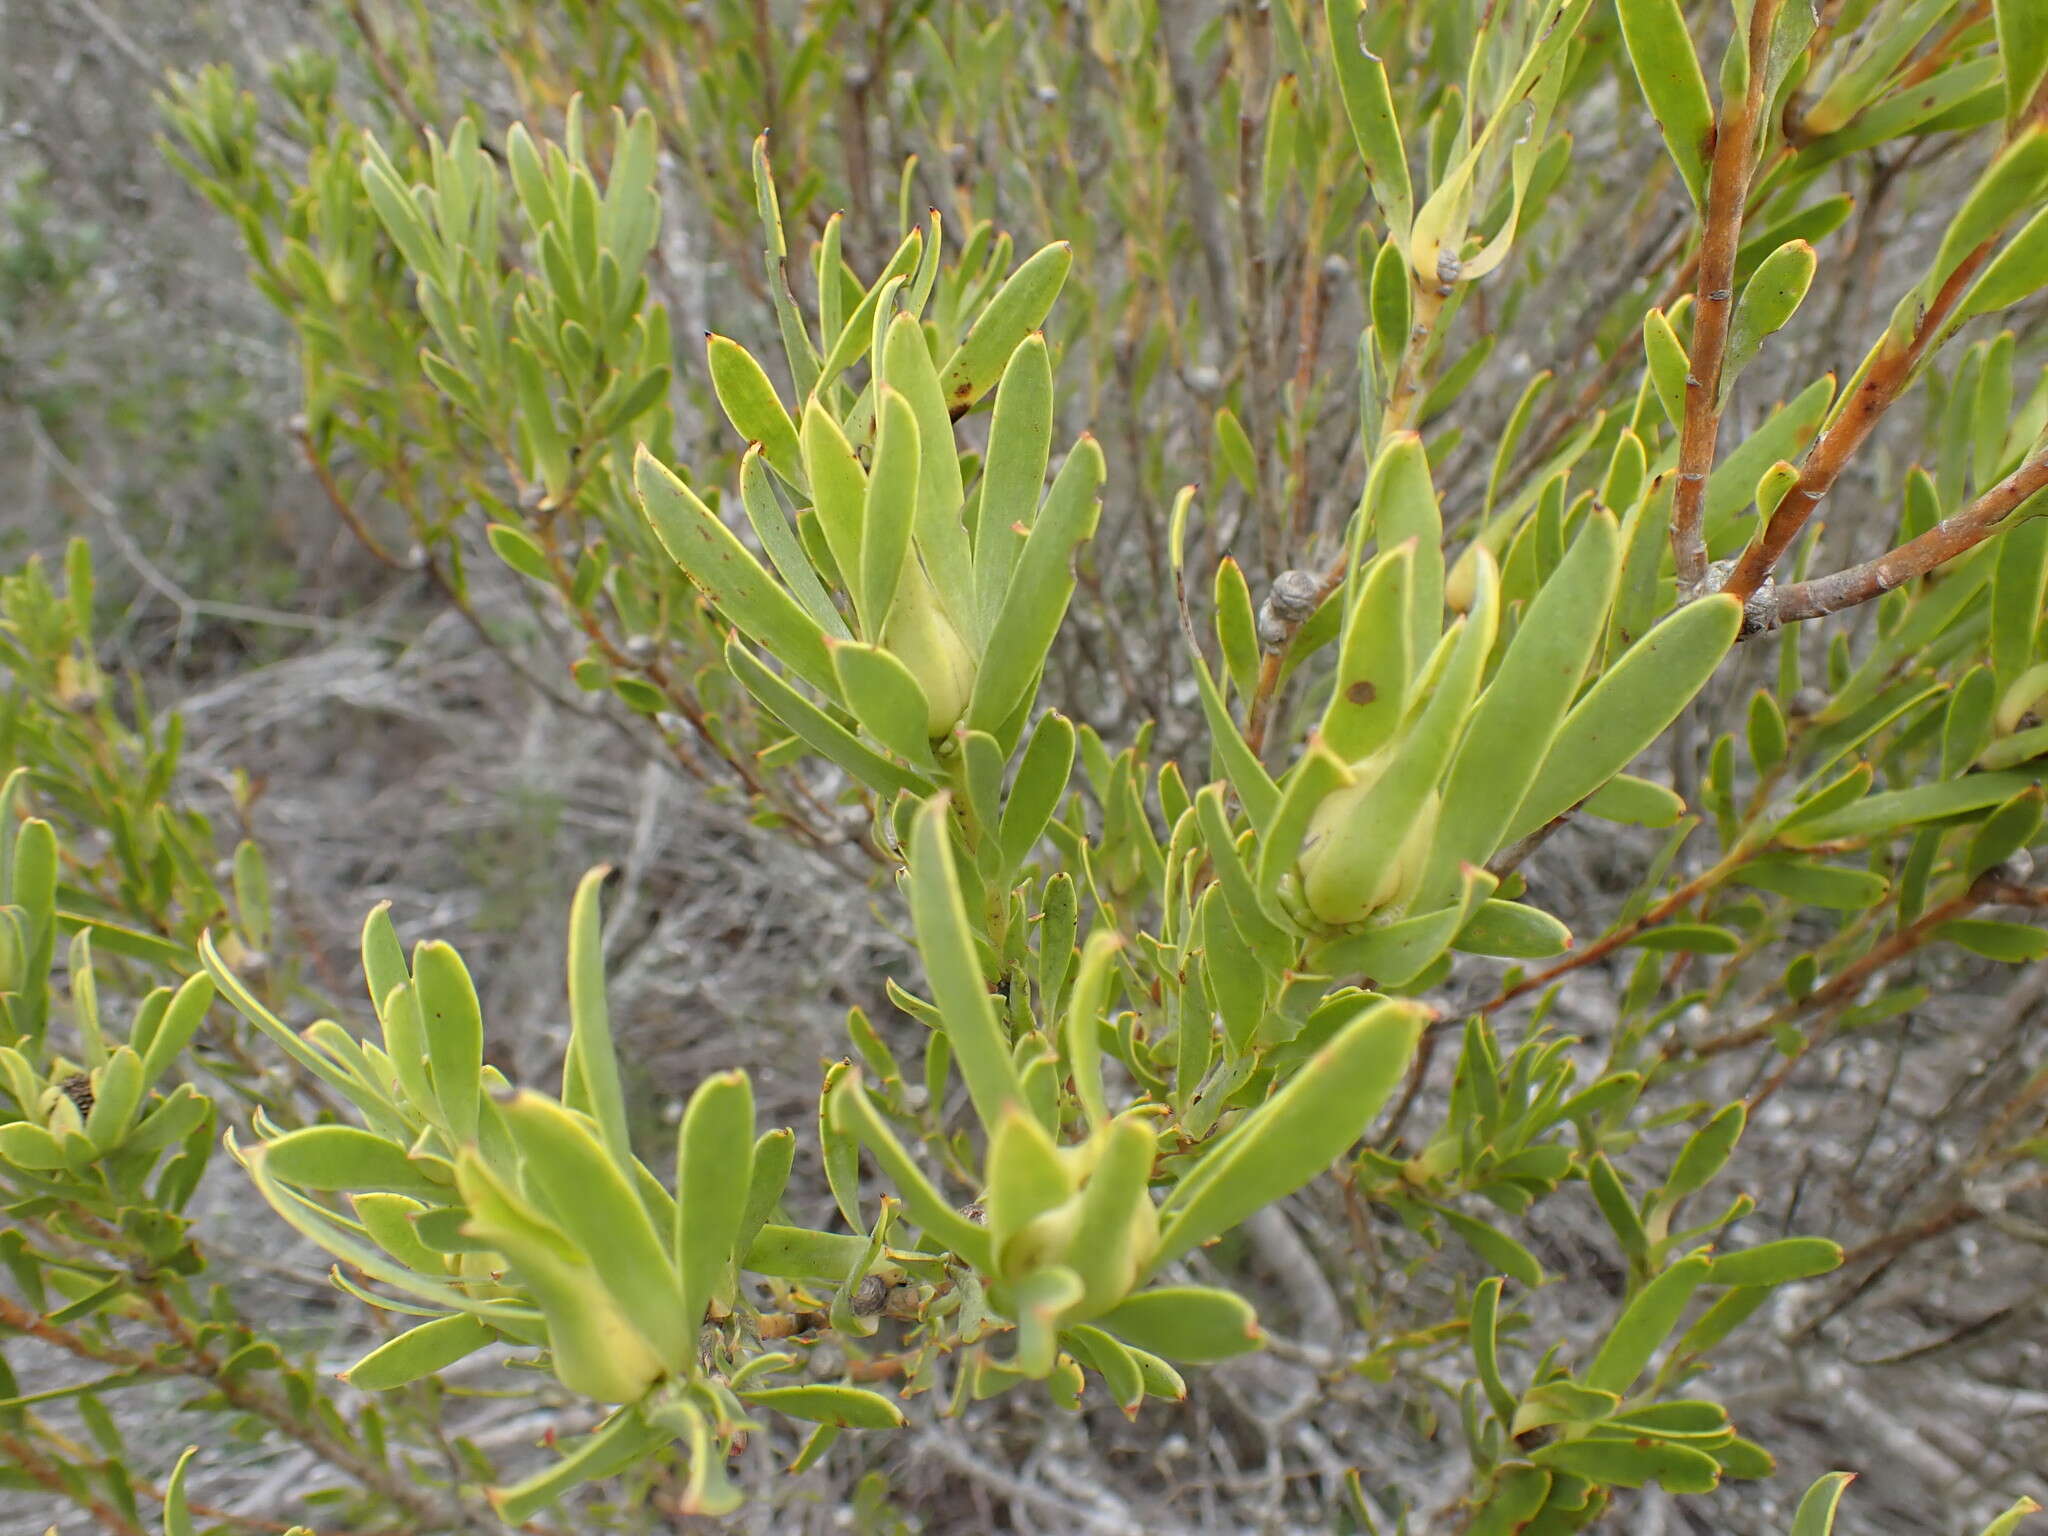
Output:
x=1883 y=381
x=1940 y=544
x=1608 y=943
x=26 y=1458
x=1733 y=163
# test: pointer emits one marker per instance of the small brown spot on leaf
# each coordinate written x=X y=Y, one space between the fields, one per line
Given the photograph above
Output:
x=1361 y=692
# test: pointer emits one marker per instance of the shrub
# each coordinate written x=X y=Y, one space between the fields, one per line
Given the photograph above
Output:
x=1302 y=862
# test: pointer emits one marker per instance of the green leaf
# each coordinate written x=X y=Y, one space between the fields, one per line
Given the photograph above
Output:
x=752 y=406
x=1776 y=1263
x=520 y=550
x=1690 y=939
x=1192 y=1324
x=2009 y=1522
x=1019 y=308
x=2007 y=187
x=1880 y=814
x=419 y=1352
x=946 y=943
x=1770 y=298
x=1237 y=627
x=839 y=493
x=590 y=1069
x=1635 y=802
x=1369 y=105
x=785 y=550
x=2012 y=943
x=345 y=1157
x=175 y=1028
x=2004 y=833
x=1644 y=1325
x=1816 y=1513
x=1080 y=1033
x=1234 y=451
x=1374 y=663
x=2023 y=48
x=853 y=1112
x=714 y=1187
x=1706 y=1151
x=589 y=1196
x=1668 y=365
x=1039 y=786
x=1482 y=1330
x=941 y=537
x=1297 y=1133
x=1511 y=729
x=455 y=1034
x=1041 y=585
x=1115 y=1226
x=889 y=514
x=820 y=731
x=1512 y=931
x=825 y=1403
x=1013 y=476
x=1632 y=1463
x=886 y=699
x=622 y=1440
x=1493 y=1245
x=1632 y=704
x=716 y=561
x=177 y=1512
x=1400 y=503
x=1817 y=885
x=1673 y=85
x=1027 y=1177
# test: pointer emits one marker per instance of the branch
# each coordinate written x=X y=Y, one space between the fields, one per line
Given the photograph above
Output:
x=1727 y=192
x=1884 y=380
x=1947 y=539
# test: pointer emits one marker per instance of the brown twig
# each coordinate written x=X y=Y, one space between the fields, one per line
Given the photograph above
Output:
x=1734 y=162
x=25 y=1457
x=1947 y=539
x=1607 y=943
x=1883 y=381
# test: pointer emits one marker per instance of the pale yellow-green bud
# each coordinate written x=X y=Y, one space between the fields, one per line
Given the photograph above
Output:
x=920 y=636
x=1462 y=583
x=1351 y=869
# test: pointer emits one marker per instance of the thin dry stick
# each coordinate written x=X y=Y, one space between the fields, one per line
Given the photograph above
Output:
x=1884 y=379
x=1947 y=539
x=1734 y=161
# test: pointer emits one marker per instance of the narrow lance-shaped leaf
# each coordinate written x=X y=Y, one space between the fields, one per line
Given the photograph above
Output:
x=1296 y=1134
x=455 y=1034
x=1375 y=659
x=1041 y=586
x=889 y=514
x=941 y=536
x=1401 y=503
x=1673 y=84
x=751 y=404
x=1631 y=705
x=1013 y=476
x=1369 y=104
x=744 y=593
x=714 y=1179
x=1019 y=308
x=1768 y=301
x=589 y=1197
x=590 y=1071
x=946 y=944
x=839 y=492
x=1524 y=707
